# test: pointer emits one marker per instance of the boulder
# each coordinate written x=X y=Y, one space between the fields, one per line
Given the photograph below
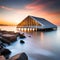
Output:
x=2 y=31
x=4 y=40
x=6 y=32
x=2 y=57
x=0 y=34
x=5 y=52
x=22 y=42
x=7 y=36
x=1 y=44
x=10 y=37
x=20 y=35
x=23 y=56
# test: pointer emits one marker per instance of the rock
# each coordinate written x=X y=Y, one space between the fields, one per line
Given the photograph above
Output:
x=20 y=35
x=0 y=34
x=17 y=34
x=2 y=58
x=5 y=52
x=6 y=32
x=23 y=56
x=1 y=44
x=22 y=42
x=7 y=36
x=2 y=31
x=4 y=40
x=10 y=37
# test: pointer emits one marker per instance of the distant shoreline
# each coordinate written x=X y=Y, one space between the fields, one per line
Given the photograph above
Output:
x=7 y=25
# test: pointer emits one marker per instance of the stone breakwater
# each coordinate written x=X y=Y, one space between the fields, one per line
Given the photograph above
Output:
x=7 y=38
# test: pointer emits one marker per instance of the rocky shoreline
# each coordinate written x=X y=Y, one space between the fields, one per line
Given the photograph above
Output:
x=7 y=38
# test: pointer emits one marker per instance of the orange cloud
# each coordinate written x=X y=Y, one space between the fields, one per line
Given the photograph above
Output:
x=40 y=8
x=34 y=7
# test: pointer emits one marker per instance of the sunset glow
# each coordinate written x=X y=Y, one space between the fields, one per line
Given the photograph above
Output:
x=14 y=12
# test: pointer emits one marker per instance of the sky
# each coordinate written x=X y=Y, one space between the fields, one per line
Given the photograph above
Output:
x=13 y=12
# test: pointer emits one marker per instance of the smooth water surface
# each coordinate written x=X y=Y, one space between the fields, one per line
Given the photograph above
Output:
x=38 y=45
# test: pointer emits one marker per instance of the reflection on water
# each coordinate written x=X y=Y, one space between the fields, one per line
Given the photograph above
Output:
x=40 y=46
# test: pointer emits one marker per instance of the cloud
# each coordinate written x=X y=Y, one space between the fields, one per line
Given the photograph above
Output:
x=17 y=4
x=45 y=5
x=36 y=5
x=7 y=11
x=10 y=9
x=7 y=8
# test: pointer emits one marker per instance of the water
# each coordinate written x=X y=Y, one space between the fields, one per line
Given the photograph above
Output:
x=40 y=46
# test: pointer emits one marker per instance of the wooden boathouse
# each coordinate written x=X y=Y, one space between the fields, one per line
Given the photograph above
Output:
x=36 y=23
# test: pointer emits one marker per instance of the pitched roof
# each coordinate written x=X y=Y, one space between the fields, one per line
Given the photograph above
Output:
x=44 y=22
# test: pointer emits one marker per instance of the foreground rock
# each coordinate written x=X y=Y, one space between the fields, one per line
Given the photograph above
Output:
x=2 y=57
x=5 y=32
x=8 y=36
x=5 y=52
x=4 y=40
x=1 y=44
x=21 y=56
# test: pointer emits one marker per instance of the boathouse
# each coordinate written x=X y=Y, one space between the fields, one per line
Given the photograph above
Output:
x=36 y=23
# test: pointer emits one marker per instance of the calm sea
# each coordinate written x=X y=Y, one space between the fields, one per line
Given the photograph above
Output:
x=40 y=46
